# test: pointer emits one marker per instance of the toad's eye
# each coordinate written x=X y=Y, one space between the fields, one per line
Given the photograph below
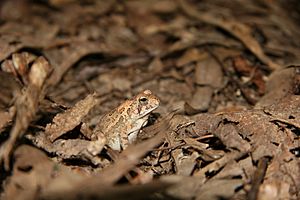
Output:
x=143 y=100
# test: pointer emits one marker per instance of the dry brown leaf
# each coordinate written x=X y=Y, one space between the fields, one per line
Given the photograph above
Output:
x=201 y=99
x=191 y=55
x=282 y=177
x=26 y=106
x=64 y=122
x=237 y=29
x=64 y=58
x=33 y=171
x=5 y=118
x=225 y=189
x=126 y=161
x=185 y=188
x=184 y=163
x=208 y=72
x=10 y=88
x=126 y=192
x=117 y=48
x=279 y=85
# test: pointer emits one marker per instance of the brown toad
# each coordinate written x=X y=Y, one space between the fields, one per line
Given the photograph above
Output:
x=121 y=125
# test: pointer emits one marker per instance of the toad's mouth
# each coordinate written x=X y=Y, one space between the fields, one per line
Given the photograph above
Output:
x=149 y=110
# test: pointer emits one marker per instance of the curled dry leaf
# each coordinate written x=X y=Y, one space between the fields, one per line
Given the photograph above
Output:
x=64 y=122
x=26 y=106
x=19 y=64
x=67 y=121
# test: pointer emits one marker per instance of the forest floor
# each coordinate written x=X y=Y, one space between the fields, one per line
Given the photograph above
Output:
x=226 y=74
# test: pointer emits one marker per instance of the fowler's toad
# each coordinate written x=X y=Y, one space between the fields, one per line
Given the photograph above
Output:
x=121 y=125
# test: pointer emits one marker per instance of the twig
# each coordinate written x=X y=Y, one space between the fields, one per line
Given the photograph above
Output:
x=258 y=178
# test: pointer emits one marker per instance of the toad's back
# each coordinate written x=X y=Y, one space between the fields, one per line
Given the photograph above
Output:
x=121 y=125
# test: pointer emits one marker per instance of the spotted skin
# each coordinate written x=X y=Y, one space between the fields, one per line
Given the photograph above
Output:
x=121 y=125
